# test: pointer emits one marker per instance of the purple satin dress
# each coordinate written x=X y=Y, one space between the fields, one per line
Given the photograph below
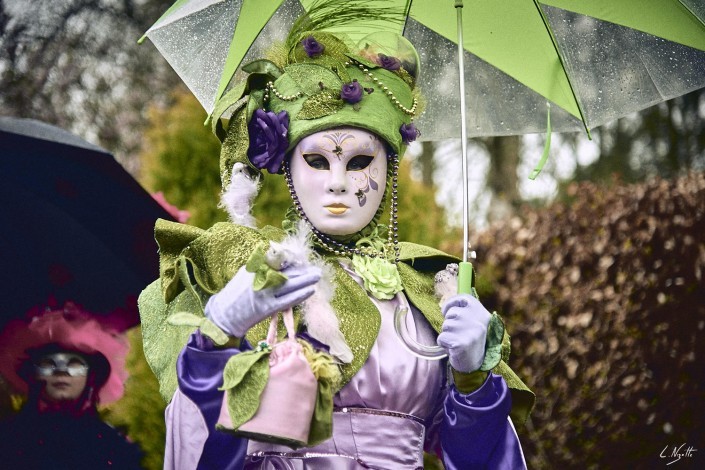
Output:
x=393 y=409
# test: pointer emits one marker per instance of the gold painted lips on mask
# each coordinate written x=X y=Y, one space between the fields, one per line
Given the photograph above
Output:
x=337 y=209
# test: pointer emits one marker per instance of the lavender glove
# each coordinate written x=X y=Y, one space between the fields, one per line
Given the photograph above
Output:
x=238 y=307
x=464 y=332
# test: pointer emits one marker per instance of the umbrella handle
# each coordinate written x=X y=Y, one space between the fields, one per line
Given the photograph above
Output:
x=431 y=353
x=466 y=278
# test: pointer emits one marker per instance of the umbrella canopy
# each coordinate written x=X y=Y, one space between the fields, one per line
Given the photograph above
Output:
x=76 y=226
x=593 y=61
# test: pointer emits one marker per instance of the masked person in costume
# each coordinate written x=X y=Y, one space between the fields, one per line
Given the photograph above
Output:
x=67 y=363
x=333 y=119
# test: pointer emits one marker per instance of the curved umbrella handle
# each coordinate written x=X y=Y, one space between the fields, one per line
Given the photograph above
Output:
x=431 y=353
x=466 y=285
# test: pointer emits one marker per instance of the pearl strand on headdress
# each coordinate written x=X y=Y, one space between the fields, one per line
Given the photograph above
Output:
x=341 y=249
x=393 y=223
x=410 y=111
x=270 y=89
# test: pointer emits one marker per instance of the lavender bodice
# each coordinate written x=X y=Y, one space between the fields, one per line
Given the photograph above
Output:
x=393 y=379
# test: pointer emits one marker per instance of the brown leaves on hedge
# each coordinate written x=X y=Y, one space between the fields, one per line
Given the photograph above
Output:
x=605 y=299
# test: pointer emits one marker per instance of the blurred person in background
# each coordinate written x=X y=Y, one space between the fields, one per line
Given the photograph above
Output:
x=67 y=363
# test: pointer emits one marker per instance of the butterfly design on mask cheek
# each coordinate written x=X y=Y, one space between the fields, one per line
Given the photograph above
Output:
x=364 y=181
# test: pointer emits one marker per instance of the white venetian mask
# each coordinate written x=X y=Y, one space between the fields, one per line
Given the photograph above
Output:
x=339 y=176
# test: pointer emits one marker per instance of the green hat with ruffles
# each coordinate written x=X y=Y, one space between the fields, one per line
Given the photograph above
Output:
x=318 y=82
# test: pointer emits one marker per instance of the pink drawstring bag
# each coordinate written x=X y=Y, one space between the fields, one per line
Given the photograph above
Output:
x=288 y=400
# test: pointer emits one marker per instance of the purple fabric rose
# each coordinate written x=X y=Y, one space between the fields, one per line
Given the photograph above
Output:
x=312 y=47
x=268 y=139
x=409 y=132
x=388 y=62
x=351 y=92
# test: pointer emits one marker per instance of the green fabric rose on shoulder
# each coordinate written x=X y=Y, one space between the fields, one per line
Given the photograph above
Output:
x=381 y=277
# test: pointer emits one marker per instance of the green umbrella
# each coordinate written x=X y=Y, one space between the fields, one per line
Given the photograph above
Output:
x=593 y=61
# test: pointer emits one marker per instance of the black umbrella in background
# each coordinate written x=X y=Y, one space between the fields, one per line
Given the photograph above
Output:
x=75 y=225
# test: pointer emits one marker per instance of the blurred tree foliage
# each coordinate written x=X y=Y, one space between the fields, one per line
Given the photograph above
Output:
x=665 y=140
x=180 y=158
x=604 y=296
x=76 y=64
x=420 y=219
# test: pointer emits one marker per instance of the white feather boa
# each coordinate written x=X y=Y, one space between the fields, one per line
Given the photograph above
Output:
x=318 y=315
x=237 y=200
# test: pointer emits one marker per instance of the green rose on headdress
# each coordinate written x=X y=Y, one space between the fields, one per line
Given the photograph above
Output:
x=381 y=277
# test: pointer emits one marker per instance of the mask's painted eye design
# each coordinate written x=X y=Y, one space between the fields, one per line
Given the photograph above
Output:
x=359 y=162
x=367 y=182
x=317 y=162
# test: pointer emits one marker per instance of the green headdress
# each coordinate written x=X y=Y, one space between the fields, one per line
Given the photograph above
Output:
x=318 y=80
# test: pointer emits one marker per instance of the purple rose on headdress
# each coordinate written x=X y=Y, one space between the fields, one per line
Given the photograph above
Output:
x=312 y=47
x=351 y=92
x=409 y=133
x=388 y=62
x=268 y=139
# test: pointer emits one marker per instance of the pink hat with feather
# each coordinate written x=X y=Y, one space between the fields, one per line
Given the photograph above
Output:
x=69 y=328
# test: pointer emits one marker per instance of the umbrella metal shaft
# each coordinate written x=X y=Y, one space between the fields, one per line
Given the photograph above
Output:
x=463 y=131
x=466 y=281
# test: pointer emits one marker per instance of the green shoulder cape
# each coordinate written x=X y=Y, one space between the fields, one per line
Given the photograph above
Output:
x=195 y=264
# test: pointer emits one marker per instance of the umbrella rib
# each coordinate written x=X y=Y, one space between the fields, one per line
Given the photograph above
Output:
x=229 y=72
x=651 y=77
x=407 y=9
x=560 y=58
x=690 y=10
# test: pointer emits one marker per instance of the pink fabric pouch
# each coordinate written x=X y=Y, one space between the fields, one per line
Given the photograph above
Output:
x=288 y=400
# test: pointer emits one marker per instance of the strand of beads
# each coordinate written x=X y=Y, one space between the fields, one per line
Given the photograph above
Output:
x=271 y=89
x=393 y=222
x=410 y=111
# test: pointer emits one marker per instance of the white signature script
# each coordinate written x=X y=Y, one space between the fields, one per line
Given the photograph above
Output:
x=677 y=453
